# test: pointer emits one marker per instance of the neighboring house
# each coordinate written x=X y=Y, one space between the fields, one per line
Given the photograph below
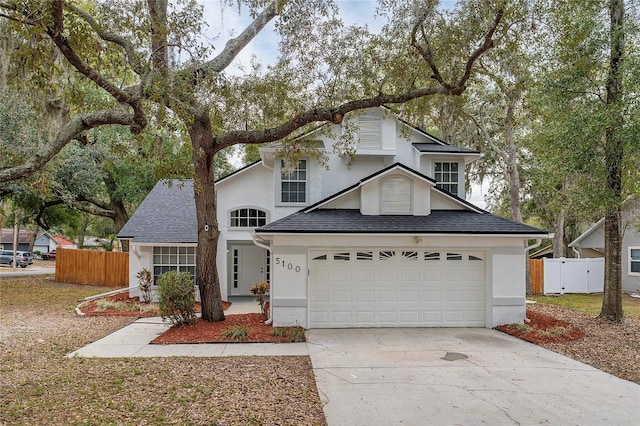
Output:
x=63 y=242
x=24 y=239
x=44 y=243
x=385 y=242
x=591 y=244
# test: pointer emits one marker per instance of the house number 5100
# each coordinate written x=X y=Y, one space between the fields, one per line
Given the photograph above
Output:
x=287 y=265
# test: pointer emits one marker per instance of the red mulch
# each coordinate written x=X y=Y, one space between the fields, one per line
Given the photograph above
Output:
x=212 y=332
x=91 y=309
x=539 y=325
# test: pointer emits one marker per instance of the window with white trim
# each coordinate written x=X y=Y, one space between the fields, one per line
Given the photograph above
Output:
x=634 y=260
x=293 y=183
x=446 y=175
x=181 y=259
x=395 y=195
x=247 y=218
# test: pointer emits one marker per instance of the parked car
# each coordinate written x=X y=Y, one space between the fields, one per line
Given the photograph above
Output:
x=23 y=258
x=49 y=256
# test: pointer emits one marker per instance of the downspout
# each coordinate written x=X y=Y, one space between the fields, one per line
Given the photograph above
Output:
x=526 y=252
x=268 y=248
x=577 y=253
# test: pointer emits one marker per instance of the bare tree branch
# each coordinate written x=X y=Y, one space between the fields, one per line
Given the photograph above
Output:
x=235 y=46
x=335 y=115
x=66 y=134
x=133 y=58
x=56 y=31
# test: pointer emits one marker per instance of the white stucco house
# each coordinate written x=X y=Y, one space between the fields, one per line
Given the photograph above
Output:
x=388 y=241
x=590 y=244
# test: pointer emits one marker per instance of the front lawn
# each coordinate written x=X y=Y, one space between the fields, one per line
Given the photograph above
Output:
x=38 y=327
x=589 y=303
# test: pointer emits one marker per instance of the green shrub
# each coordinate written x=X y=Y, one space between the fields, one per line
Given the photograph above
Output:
x=279 y=331
x=522 y=328
x=236 y=332
x=177 y=298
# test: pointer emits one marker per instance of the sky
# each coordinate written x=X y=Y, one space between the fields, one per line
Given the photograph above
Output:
x=229 y=22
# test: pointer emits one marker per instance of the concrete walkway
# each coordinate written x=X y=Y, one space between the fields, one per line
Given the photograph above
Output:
x=133 y=341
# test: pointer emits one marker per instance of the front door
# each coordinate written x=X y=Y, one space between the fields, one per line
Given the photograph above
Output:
x=248 y=266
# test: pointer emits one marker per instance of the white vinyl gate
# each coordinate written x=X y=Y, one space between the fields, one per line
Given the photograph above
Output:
x=396 y=288
x=573 y=275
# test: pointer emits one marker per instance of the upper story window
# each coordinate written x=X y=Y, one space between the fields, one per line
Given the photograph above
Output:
x=395 y=195
x=248 y=218
x=369 y=131
x=294 y=183
x=446 y=175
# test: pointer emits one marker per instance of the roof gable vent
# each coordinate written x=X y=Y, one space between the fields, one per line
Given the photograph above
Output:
x=395 y=195
x=369 y=131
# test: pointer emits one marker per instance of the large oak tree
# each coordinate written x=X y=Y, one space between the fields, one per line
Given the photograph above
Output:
x=148 y=58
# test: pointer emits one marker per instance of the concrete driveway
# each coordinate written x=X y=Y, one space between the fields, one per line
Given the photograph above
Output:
x=460 y=376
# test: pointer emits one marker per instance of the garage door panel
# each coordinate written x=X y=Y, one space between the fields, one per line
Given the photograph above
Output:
x=338 y=275
x=410 y=317
x=341 y=317
x=387 y=275
x=409 y=296
x=455 y=276
x=399 y=288
x=388 y=317
x=409 y=276
x=431 y=296
x=432 y=276
x=364 y=276
x=386 y=296
x=365 y=318
x=365 y=296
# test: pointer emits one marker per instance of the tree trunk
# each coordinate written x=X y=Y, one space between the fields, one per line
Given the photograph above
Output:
x=120 y=218
x=612 y=299
x=206 y=266
x=558 y=238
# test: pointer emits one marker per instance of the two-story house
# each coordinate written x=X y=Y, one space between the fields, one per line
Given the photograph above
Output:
x=386 y=241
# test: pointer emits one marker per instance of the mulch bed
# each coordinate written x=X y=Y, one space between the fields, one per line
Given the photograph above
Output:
x=213 y=332
x=543 y=329
x=91 y=308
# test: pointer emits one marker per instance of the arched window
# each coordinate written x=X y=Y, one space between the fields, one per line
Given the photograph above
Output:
x=248 y=218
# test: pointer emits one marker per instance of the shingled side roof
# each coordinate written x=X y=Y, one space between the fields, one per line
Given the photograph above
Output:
x=167 y=215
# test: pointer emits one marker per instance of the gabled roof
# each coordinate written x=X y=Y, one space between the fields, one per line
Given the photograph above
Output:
x=24 y=236
x=388 y=169
x=167 y=215
x=351 y=221
x=471 y=220
x=585 y=234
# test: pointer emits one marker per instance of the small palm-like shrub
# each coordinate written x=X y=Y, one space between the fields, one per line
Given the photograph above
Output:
x=144 y=284
x=177 y=298
x=236 y=332
x=522 y=328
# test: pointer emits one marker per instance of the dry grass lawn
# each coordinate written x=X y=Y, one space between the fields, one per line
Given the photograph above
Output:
x=40 y=386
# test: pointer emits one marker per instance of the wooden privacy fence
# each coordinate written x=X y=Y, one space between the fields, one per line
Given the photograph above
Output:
x=104 y=268
x=536 y=273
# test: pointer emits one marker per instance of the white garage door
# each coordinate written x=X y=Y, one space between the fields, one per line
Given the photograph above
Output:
x=396 y=288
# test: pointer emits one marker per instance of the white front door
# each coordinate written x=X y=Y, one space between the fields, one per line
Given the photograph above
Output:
x=248 y=266
x=396 y=288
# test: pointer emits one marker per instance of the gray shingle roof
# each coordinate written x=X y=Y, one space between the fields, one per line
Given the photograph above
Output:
x=351 y=221
x=433 y=147
x=167 y=215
